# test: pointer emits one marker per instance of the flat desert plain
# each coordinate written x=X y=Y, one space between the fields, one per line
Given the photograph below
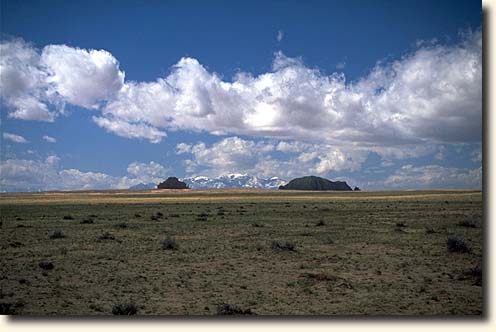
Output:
x=257 y=252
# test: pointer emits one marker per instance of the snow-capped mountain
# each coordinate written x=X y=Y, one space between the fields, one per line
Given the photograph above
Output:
x=233 y=181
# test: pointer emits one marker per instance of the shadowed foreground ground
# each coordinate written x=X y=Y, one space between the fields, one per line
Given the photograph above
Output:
x=262 y=252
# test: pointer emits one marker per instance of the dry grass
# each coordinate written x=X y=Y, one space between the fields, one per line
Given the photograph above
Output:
x=356 y=264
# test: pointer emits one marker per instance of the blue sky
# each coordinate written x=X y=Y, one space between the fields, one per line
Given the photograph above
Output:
x=383 y=94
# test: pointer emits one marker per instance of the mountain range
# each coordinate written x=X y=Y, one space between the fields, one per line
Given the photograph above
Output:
x=224 y=181
x=143 y=186
x=233 y=181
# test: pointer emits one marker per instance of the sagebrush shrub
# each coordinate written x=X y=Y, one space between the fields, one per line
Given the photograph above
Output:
x=230 y=309
x=124 y=309
x=46 y=265
x=476 y=273
x=320 y=223
x=169 y=243
x=467 y=223
x=430 y=230
x=57 y=235
x=106 y=236
x=279 y=245
x=6 y=309
x=455 y=244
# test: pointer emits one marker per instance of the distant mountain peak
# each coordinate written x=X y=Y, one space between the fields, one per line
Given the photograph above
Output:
x=240 y=180
x=143 y=186
x=233 y=180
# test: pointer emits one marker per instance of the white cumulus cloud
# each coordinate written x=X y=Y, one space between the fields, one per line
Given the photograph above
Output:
x=147 y=172
x=130 y=130
x=430 y=96
x=82 y=77
x=432 y=176
x=42 y=175
x=23 y=86
x=49 y=139
x=14 y=138
x=236 y=155
x=28 y=175
x=74 y=179
x=46 y=174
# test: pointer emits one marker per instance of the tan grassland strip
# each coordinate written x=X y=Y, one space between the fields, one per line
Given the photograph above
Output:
x=218 y=196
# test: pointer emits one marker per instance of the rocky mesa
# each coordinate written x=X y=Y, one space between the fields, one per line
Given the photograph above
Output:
x=172 y=183
x=315 y=183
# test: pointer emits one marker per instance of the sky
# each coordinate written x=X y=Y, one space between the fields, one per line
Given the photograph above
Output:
x=109 y=94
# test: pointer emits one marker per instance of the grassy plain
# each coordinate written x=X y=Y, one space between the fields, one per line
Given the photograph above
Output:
x=261 y=252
